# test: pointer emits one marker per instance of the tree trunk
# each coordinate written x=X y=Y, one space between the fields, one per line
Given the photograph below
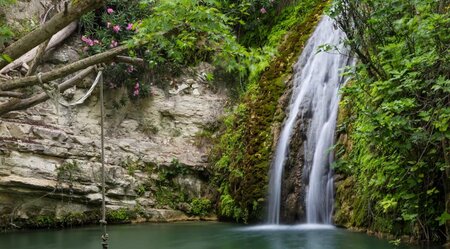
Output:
x=63 y=71
x=73 y=12
x=54 y=41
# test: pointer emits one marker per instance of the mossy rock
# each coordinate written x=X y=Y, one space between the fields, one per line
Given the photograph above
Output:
x=243 y=154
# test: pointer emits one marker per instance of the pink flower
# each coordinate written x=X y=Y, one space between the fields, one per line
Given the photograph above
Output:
x=263 y=10
x=136 y=89
x=96 y=42
x=129 y=26
x=113 y=44
x=116 y=28
x=87 y=40
x=108 y=25
x=109 y=10
x=130 y=69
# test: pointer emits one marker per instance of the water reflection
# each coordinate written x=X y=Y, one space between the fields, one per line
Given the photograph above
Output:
x=196 y=236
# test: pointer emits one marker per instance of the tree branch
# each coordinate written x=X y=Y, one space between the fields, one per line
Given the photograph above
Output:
x=130 y=60
x=11 y=94
x=14 y=105
x=55 y=40
x=40 y=52
x=74 y=11
x=63 y=71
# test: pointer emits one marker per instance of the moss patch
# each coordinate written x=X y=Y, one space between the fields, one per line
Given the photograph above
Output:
x=242 y=156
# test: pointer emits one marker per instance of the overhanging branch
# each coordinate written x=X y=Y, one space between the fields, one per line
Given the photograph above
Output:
x=14 y=105
x=63 y=71
x=74 y=11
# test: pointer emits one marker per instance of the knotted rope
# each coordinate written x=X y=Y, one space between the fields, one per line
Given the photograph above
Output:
x=52 y=90
x=105 y=236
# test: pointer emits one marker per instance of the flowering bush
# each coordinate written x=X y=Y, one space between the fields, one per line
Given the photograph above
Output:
x=110 y=27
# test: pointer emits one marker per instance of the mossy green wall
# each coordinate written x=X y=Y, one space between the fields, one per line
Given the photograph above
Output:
x=243 y=155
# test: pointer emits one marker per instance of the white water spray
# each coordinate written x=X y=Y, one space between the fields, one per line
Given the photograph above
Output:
x=317 y=78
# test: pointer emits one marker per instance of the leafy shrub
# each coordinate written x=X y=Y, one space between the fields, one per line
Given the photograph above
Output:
x=201 y=206
x=121 y=215
x=398 y=114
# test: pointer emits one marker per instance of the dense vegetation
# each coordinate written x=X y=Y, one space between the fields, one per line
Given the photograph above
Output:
x=242 y=155
x=396 y=112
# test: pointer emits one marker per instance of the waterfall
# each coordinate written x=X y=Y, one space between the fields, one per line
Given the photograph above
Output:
x=317 y=77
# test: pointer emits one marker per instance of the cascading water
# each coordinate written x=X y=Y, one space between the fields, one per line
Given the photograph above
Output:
x=317 y=77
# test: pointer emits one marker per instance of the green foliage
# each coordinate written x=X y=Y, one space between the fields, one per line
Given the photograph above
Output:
x=398 y=120
x=5 y=32
x=170 y=195
x=253 y=18
x=445 y=217
x=140 y=190
x=121 y=215
x=207 y=136
x=166 y=189
x=174 y=169
x=6 y=2
x=5 y=57
x=200 y=206
x=67 y=170
x=132 y=164
x=5 y=35
x=243 y=153
x=43 y=221
x=72 y=219
x=185 y=32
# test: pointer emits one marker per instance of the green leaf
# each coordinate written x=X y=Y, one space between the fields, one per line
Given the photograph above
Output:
x=6 y=58
x=443 y=218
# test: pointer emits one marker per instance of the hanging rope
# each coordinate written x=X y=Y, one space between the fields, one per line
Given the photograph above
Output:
x=52 y=90
x=105 y=236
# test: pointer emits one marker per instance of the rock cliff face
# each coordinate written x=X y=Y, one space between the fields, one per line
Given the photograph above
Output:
x=156 y=157
x=292 y=209
x=50 y=158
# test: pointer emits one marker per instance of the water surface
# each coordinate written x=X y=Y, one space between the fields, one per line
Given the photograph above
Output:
x=196 y=236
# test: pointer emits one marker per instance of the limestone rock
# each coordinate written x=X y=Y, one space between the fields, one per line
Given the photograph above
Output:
x=62 y=56
x=53 y=159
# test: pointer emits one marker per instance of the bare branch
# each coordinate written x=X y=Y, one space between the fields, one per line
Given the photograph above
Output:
x=63 y=71
x=130 y=60
x=74 y=11
x=14 y=105
x=40 y=52
x=12 y=94
x=55 y=40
